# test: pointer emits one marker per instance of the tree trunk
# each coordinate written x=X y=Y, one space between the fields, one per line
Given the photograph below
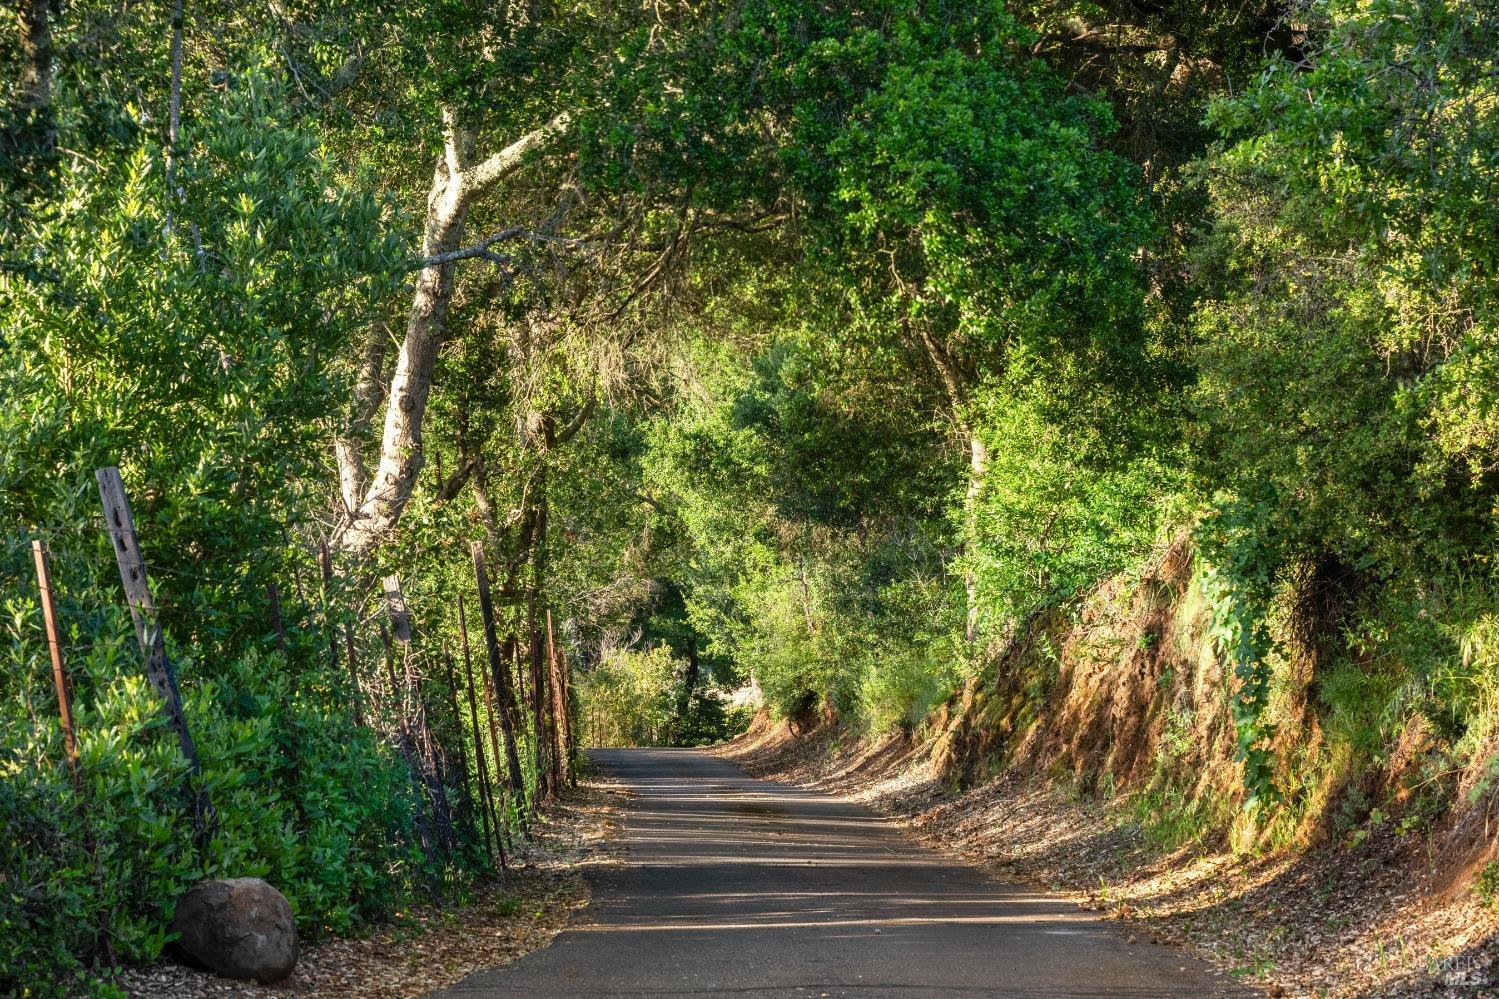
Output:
x=488 y=815
x=465 y=784
x=955 y=382
x=369 y=388
x=978 y=468
x=401 y=457
x=556 y=709
x=533 y=627
x=501 y=678
x=569 y=729
x=689 y=685
x=36 y=132
x=455 y=183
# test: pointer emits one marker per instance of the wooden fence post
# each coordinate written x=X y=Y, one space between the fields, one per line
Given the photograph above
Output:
x=159 y=671
x=538 y=711
x=510 y=652
x=466 y=811
x=54 y=647
x=569 y=729
x=442 y=808
x=502 y=680
x=413 y=711
x=404 y=742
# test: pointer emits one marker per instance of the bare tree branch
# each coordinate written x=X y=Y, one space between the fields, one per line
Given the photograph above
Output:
x=570 y=431
x=401 y=457
x=505 y=162
x=482 y=249
x=454 y=483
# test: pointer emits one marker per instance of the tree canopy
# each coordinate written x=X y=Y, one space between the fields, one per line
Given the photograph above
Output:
x=809 y=351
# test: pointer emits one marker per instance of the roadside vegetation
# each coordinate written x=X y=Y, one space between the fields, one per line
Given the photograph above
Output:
x=1102 y=389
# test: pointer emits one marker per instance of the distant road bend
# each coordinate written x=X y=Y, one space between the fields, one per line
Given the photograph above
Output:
x=742 y=887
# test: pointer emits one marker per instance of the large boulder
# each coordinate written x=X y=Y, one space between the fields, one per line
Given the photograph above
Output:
x=238 y=927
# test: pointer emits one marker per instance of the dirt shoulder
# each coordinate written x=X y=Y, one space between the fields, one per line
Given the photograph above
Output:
x=435 y=947
x=1329 y=922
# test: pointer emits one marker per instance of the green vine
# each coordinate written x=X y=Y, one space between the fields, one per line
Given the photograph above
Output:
x=1238 y=581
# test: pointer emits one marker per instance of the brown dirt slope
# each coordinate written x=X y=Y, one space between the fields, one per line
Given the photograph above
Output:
x=1096 y=758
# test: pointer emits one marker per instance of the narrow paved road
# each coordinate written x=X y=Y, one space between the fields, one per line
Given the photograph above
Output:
x=743 y=887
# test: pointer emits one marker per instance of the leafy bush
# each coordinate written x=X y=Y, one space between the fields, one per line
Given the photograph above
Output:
x=640 y=698
x=184 y=336
x=1486 y=883
x=96 y=864
x=1343 y=300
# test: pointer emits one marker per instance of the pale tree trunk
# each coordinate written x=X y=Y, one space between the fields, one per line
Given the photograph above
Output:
x=401 y=461
x=978 y=468
x=369 y=389
x=455 y=183
x=956 y=386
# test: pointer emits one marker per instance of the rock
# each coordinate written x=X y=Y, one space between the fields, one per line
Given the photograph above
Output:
x=238 y=927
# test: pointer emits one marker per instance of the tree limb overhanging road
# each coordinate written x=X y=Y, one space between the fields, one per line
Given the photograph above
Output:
x=737 y=886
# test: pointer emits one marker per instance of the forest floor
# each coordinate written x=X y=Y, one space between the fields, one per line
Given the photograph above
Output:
x=432 y=947
x=1334 y=922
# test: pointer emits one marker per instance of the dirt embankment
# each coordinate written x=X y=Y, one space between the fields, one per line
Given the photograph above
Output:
x=1098 y=761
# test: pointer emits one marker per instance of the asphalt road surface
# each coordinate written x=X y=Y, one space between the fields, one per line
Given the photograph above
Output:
x=740 y=887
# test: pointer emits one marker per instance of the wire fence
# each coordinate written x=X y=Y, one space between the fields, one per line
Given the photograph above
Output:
x=467 y=769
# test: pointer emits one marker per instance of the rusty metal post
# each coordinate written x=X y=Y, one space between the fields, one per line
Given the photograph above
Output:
x=54 y=647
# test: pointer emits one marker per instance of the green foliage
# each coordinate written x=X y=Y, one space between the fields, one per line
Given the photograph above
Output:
x=815 y=552
x=637 y=698
x=189 y=341
x=1240 y=596
x=981 y=176
x=1486 y=883
x=189 y=338
x=1345 y=296
x=1064 y=504
x=891 y=326
x=303 y=798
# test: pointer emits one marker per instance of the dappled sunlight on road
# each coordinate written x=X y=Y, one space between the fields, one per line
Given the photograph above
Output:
x=737 y=885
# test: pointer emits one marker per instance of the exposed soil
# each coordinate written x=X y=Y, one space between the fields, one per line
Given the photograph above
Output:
x=1371 y=920
x=434 y=947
